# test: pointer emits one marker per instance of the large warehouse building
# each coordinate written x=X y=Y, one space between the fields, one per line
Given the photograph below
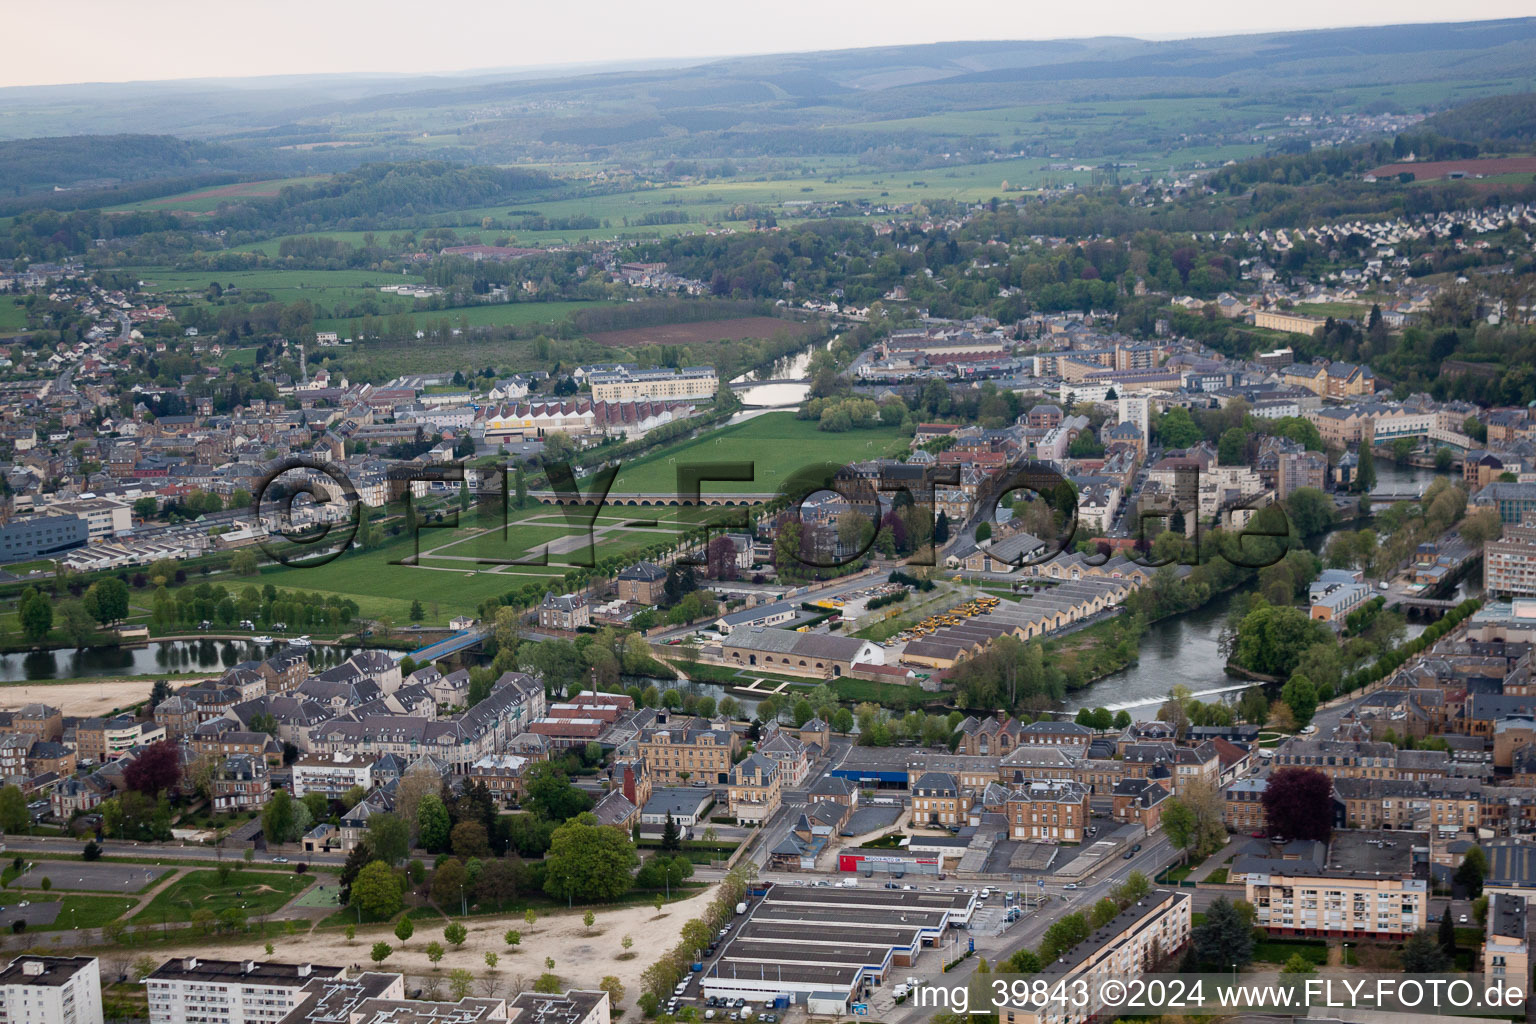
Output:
x=823 y=946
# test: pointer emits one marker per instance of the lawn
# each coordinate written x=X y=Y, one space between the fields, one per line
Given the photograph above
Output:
x=257 y=892
x=776 y=443
x=85 y=911
x=13 y=315
x=1278 y=951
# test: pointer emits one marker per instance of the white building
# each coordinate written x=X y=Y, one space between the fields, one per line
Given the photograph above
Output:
x=191 y=990
x=331 y=774
x=51 y=990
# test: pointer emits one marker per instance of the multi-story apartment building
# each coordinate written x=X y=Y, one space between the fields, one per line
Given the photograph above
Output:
x=688 y=749
x=626 y=385
x=1509 y=563
x=1243 y=806
x=1441 y=805
x=1133 y=943
x=939 y=799
x=192 y=990
x=332 y=774
x=1506 y=946
x=104 y=739
x=1339 y=759
x=754 y=790
x=51 y=990
x=1362 y=883
x=40 y=720
x=241 y=783
x=1051 y=812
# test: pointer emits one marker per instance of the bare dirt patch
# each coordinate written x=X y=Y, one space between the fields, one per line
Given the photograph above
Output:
x=84 y=699
x=704 y=331
x=582 y=958
x=1431 y=170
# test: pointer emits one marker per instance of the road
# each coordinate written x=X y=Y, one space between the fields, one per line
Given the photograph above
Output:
x=170 y=851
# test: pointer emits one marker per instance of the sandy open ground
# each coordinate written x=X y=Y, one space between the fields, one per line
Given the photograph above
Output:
x=83 y=699
x=582 y=959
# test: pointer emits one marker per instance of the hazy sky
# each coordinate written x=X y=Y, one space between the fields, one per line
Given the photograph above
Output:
x=110 y=40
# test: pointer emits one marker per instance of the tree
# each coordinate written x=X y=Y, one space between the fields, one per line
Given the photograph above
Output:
x=417 y=611
x=588 y=860
x=614 y=988
x=279 y=817
x=1179 y=825
x=111 y=600
x=1253 y=706
x=1102 y=913
x=14 y=816
x=1062 y=935
x=1365 y=470
x=469 y=839
x=1231 y=449
x=376 y=891
x=77 y=622
x=1423 y=955
x=1298 y=804
x=435 y=953
x=1134 y=888
x=404 y=929
x=1300 y=695
x=941 y=529
x=1225 y=937
x=671 y=836
x=380 y=952
x=1298 y=964
x=156 y=769
x=449 y=882
x=983 y=532
x=456 y=933
x=243 y=563
x=459 y=982
x=530 y=916
x=1470 y=874
x=389 y=835
x=1447 y=935
x=35 y=613
x=513 y=937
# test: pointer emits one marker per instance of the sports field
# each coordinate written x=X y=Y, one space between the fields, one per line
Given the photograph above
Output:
x=776 y=443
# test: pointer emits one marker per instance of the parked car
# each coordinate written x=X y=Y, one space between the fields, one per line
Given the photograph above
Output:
x=1070 y=885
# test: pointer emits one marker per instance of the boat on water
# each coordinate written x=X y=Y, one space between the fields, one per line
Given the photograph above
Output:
x=263 y=639
x=300 y=641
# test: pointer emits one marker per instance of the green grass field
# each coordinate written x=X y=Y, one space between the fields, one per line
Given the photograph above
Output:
x=13 y=315
x=206 y=200
x=500 y=314
x=257 y=892
x=77 y=911
x=776 y=443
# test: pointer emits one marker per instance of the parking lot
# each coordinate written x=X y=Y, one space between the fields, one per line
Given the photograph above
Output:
x=88 y=877
x=34 y=913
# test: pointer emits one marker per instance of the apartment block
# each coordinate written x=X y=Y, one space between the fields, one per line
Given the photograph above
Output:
x=1509 y=563
x=1361 y=883
x=192 y=990
x=1135 y=941
x=51 y=990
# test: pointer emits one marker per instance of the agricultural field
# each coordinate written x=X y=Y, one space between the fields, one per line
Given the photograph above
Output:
x=704 y=331
x=321 y=287
x=776 y=443
x=498 y=314
x=206 y=200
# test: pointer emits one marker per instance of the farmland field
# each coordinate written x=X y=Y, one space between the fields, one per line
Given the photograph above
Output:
x=492 y=314
x=1430 y=170
x=206 y=200
x=776 y=443
x=704 y=331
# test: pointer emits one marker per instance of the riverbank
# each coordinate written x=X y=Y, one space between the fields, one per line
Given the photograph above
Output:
x=86 y=698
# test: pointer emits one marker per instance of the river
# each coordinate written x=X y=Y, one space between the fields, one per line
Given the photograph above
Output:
x=1186 y=649
x=776 y=396
x=162 y=658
